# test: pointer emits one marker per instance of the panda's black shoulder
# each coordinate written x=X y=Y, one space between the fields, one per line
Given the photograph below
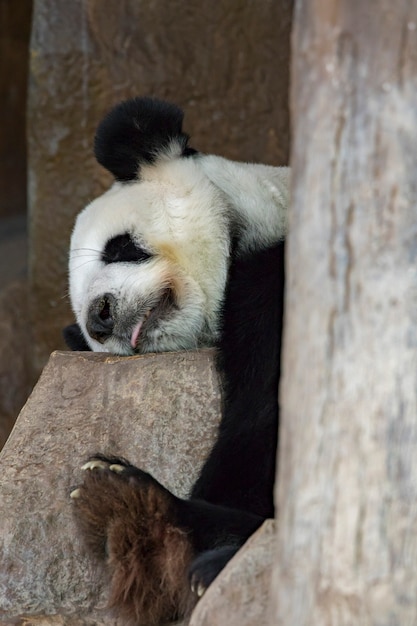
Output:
x=252 y=318
x=135 y=132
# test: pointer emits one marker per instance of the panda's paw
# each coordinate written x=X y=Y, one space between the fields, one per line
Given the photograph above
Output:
x=128 y=519
x=207 y=565
x=103 y=498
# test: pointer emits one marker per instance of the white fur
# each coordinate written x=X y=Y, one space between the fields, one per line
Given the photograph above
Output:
x=259 y=195
x=180 y=211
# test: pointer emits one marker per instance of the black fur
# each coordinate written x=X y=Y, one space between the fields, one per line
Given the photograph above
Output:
x=208 y=564
x=240 y=470
x=135 y=132
x=74 y=338
x=122 y=249
x=249 y=362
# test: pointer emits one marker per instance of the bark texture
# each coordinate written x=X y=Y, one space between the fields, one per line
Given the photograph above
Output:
x=347 y=492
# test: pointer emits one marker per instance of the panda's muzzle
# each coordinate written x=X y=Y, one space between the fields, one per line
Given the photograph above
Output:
x=100 y=320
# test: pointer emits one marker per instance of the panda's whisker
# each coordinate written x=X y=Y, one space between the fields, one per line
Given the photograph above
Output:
x=133 y=274
x=83 y=264
x=89 y=252
x=86 y=249
x=86 y=256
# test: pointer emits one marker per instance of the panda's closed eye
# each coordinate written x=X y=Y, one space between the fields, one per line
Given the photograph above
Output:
x=123 y=249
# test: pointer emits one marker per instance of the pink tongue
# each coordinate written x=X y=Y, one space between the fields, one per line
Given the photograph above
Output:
x=135 y=334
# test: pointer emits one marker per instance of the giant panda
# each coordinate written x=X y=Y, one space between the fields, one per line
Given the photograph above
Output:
x=184 y=250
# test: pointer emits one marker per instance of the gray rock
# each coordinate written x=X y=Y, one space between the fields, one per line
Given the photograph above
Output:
x=239 y=595
x=159 y=411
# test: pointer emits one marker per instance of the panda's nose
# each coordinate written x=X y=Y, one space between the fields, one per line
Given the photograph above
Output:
x=100 y=320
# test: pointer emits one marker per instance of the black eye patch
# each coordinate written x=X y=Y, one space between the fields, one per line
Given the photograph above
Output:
x=122 y=249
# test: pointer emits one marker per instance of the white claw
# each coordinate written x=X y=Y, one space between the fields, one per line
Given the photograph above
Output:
x=200 y=590
x=90 y=465
x=75 y=494
x=117 y=468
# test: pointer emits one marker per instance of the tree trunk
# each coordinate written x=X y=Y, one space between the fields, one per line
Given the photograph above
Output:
x=347 y=487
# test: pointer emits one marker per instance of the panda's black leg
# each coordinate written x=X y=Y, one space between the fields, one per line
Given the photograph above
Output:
x=129 y=522
x=74 y=338
x=240 y=470
x=149 y=539
x=207 y=565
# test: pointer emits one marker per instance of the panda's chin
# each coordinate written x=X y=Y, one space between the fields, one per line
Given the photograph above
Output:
x=148 y=336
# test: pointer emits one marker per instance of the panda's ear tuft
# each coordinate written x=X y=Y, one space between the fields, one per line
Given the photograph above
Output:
x=136 y=132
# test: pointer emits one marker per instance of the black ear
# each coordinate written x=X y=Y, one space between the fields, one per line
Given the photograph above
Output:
x=74 y=338
x=135 y=132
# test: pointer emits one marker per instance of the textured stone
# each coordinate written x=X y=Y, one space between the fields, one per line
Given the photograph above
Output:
x=86 y=55
x=159 y=411
x=15 y=378
x=239 y=595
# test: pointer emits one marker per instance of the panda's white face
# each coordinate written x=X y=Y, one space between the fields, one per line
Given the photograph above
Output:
x=149 y=261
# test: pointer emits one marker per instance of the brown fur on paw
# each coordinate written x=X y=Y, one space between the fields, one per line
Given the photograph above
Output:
x=128 y=518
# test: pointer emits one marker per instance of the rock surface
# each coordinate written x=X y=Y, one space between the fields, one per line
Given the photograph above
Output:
x=239 y=595
x=159 y=411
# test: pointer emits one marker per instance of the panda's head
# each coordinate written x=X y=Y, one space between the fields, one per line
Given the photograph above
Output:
x=149 y=258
